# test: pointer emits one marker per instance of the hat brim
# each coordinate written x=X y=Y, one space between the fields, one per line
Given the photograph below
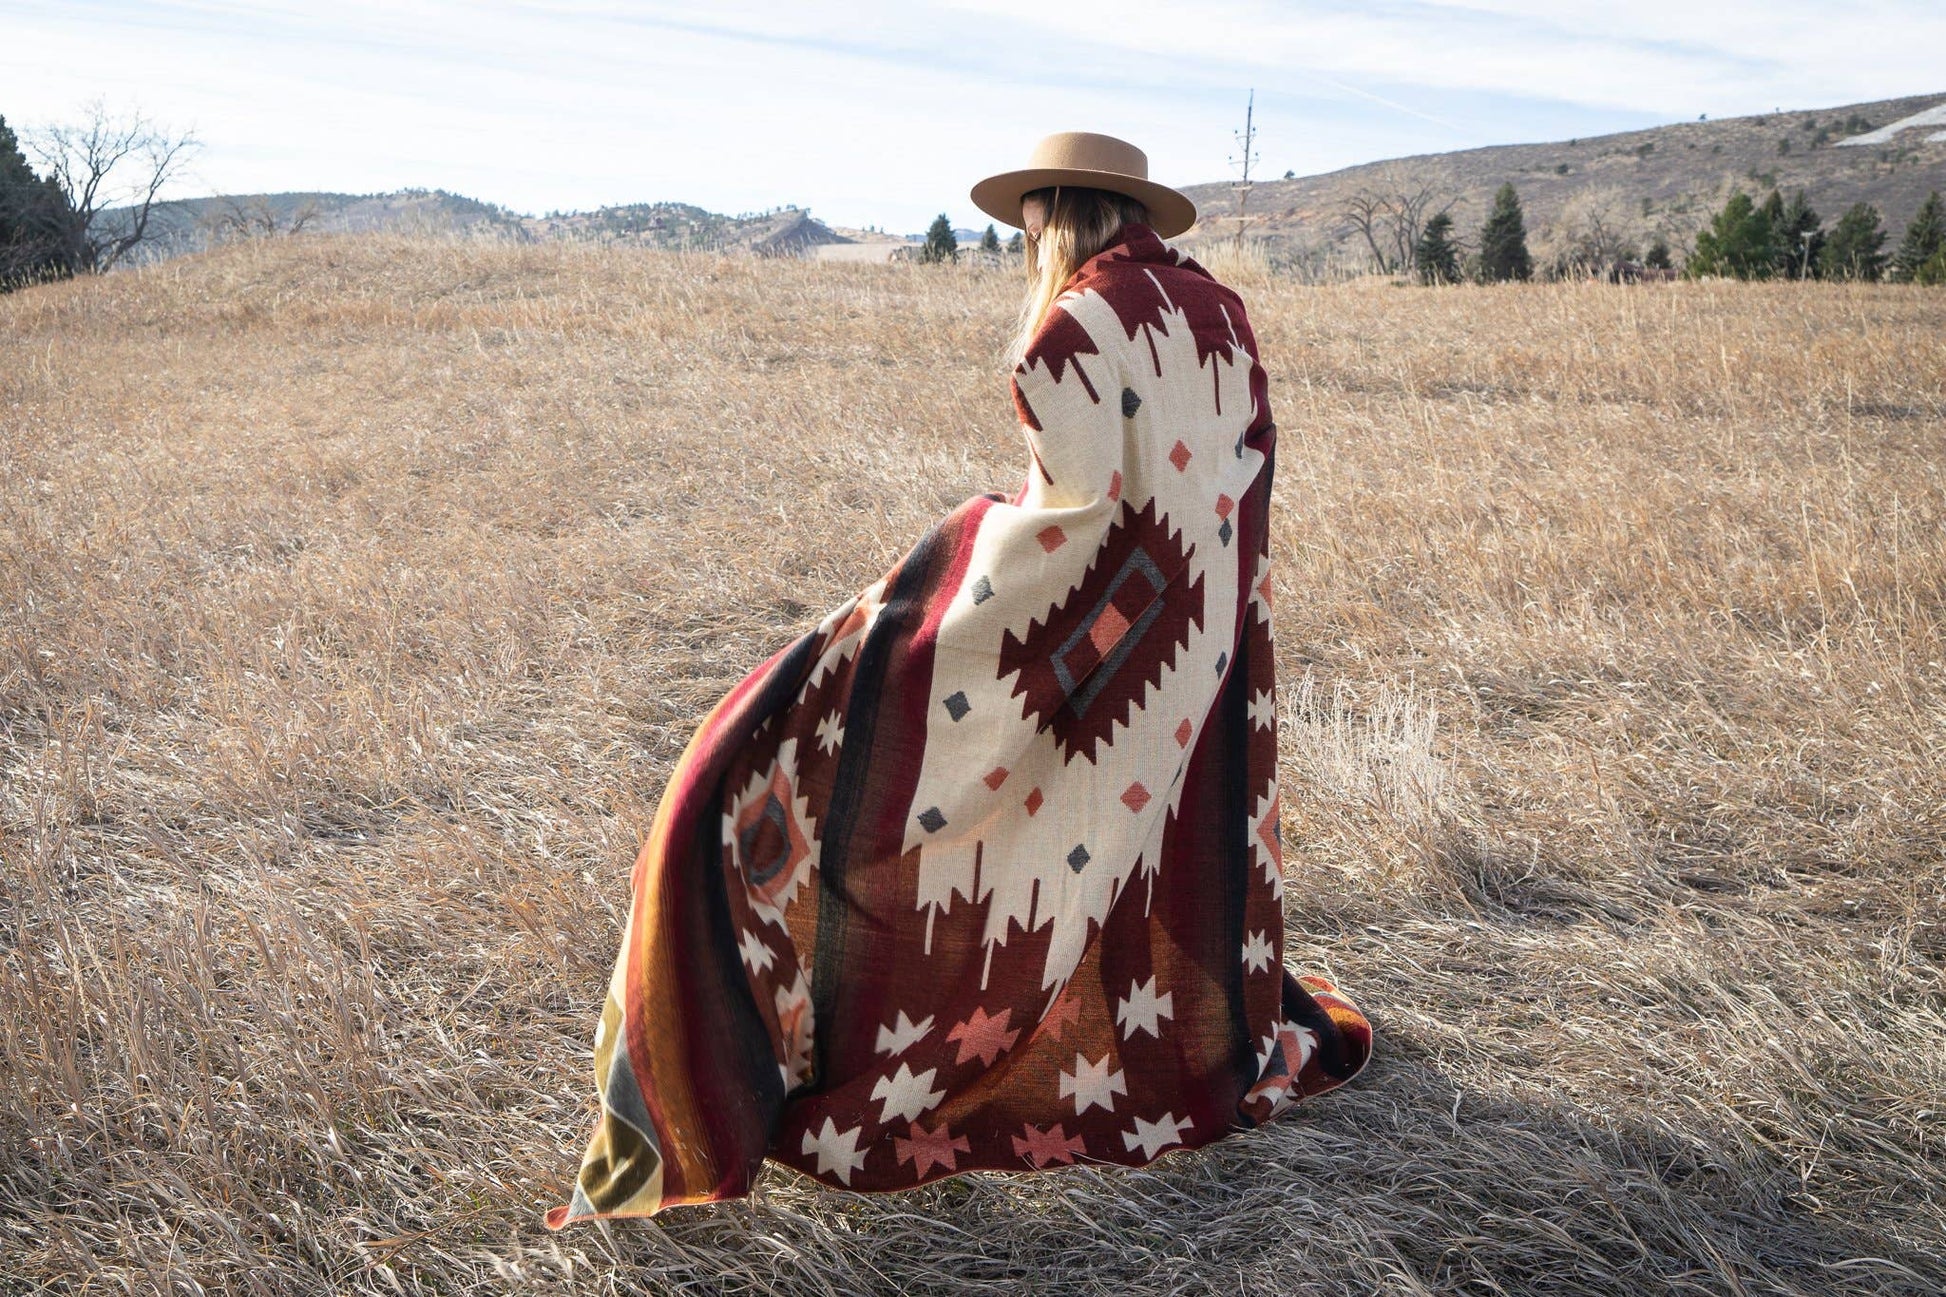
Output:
x=1170 y=213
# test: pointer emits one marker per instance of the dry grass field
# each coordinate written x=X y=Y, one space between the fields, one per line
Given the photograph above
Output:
x=356 y=596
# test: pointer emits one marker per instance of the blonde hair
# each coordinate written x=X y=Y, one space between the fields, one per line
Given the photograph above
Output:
x=1080 y=223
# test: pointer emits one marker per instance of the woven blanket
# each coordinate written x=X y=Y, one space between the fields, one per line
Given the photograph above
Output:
x=985 y=871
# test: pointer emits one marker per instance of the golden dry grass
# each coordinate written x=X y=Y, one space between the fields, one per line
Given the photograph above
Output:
x=357 y=595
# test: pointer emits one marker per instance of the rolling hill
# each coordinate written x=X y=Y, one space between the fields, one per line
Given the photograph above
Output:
x=193 y=224
x=1664 y=180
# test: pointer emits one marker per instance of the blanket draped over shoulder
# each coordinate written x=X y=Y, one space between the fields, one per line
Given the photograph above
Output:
x=985 y=872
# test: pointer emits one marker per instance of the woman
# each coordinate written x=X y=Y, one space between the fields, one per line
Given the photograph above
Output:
x=985 y=871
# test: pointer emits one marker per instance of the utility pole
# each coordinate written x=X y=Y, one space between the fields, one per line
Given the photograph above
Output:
x=1247 y=138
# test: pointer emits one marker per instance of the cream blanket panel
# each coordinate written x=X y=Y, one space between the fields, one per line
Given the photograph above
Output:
x=1010 y=806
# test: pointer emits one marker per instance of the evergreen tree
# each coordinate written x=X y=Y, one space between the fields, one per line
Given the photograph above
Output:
x=1798 y=235
x=1925 y=236
x=990 y=241
x=1017 y=244
x=940 y=243
x=31 y=220
x=1658 y=258
x=1434 y=254
x=1737 y=244
x=1933 y=273
x=1503 y=240
x=1854 y=250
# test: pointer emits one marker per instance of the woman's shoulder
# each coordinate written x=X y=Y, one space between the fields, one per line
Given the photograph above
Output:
x=1146 y=282
x=1140 y=261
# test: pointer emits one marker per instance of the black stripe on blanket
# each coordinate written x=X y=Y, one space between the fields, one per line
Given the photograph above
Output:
x=905 y=607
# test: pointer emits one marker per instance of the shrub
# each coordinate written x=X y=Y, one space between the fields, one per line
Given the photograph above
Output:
x=940 y=244
x=1923 y=238
x=1435 y=254
x=1737 y=243
x=1853 y=251
x=1503 y=240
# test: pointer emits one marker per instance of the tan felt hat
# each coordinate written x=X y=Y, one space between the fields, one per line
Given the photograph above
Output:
x=1096 y=161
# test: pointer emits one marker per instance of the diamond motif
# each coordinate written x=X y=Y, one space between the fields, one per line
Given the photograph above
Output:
x=1222 y=661
x=1065 y=1012
x=1135 y=797
x=1130 y=403
x=984 y=1036
x=902 y=1034
x=1078 y=858
x=923 y=1148
x=1093 y=1084
x=1108 y=629
x=1223 y=506
x=1043 y=1146
x=995 y=777
x=838 y=1151
x=1051 y=538
x=768 y=840
x=1115 y=485
x=982 y=590
x=1179 y=456
x=1091 y=660
x=1144 y=1010
x=1034 y=800
x=1154 y=1136
x=1183 y=731
x=906 y=1093
x=957 y=705
x=932 y=820
x=1224 y=532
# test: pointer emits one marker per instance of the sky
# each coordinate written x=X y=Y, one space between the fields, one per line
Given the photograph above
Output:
x=884 y=112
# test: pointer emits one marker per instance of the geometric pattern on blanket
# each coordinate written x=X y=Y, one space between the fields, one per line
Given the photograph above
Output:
x=985 y=871
x=1098 y=653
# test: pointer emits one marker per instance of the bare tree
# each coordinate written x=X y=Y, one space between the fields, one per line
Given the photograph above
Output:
x=1409 y=210
x=1591 y=238
x=1390 y=214
x=110 y=168
x=255 y=218
x=1366 y=212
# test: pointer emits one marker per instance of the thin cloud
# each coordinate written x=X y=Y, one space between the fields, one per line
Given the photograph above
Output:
x=1653 y=57
x=882 y=112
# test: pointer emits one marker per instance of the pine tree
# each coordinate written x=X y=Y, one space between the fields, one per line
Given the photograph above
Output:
x=1434 y=254
x=1854 y=250
x=990 y=241
x=1658 y=258
x=1737 y=244
x=1798 y=236
x=1925 y=236
x=1503 y=240
x=1933 y=273
x=940 y=243
x=1017 y=244
x=31 y=220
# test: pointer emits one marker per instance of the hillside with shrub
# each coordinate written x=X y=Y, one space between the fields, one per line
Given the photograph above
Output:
x=1637 y=186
